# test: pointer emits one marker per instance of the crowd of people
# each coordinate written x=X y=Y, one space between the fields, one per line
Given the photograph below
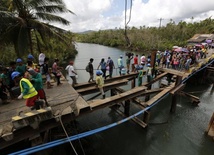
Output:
x=28 y=76
x=178 y=58
x=24 y=80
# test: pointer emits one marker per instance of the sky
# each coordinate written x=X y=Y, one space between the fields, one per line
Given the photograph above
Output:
x=110 y=14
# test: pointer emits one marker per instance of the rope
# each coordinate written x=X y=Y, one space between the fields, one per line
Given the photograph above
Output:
x=79 y=138
x=91 y=132
x=67 y=135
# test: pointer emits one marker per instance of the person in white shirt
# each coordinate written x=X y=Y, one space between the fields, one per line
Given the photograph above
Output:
x=143 y=60
x=71 y=72
x=41 y=61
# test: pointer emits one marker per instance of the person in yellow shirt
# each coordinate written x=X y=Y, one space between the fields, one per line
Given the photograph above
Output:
x=204 y=52
x=100 y=82
x=28 y=92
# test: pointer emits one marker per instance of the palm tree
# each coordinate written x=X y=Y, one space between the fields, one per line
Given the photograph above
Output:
x=24 y=20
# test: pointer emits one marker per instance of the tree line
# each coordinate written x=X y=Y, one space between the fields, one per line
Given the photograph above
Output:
x=146 y=38
x=25 y=28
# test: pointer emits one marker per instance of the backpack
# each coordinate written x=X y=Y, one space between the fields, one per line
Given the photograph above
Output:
x=111 y=63
x=87 y=68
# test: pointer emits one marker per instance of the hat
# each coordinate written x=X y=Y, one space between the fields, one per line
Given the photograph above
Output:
x=18 y=60
x=30 y=56
x=14 y=74
x=99 y=72
x=148 y=65
x=32 y=72
x=121 y=56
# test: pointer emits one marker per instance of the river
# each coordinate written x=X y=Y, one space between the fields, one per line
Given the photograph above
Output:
x=181 y=133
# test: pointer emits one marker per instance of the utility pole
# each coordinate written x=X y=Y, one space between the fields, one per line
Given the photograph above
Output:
x=160 y=21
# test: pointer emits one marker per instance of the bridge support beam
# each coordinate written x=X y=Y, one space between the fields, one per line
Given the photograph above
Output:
x=127 y=108
x=133 y=83
x=174 y=96
x=210 y=129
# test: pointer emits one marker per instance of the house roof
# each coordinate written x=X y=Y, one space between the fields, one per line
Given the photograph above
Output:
x=198 y=38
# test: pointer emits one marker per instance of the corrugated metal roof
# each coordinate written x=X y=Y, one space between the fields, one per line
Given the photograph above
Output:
x=198 y=38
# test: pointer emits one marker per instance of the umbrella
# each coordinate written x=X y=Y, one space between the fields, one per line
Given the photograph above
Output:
x=178 y=49
x=175 y=47
x=209 y=41
x=198 y=45
x=185 y=50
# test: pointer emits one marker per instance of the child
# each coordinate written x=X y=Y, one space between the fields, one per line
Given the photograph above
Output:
x=100 y=82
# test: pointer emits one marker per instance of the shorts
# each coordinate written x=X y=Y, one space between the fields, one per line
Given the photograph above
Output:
x=41 y=94
x=31 y=101
x=135 y=65
x=48 y=78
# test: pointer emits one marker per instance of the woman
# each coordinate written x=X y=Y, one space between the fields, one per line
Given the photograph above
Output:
x=56 y=71
x=103 y=65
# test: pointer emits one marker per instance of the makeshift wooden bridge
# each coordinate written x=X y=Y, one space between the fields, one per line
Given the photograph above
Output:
x=67 y=103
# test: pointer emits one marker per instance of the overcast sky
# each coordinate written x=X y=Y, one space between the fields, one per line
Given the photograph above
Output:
x=109 y=14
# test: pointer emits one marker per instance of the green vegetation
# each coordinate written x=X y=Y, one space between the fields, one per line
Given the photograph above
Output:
x=147 y=38
x=25 y=28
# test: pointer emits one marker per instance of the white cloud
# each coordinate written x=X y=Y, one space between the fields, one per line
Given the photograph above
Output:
x=99 y=14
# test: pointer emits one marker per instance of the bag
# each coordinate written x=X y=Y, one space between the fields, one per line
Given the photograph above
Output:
x=110 y=63
x=87 y=68
x=58 y=73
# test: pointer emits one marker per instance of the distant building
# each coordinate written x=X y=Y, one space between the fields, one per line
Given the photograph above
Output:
x=200 y=38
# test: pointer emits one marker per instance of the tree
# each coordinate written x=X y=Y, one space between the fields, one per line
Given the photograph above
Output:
x=23 y=22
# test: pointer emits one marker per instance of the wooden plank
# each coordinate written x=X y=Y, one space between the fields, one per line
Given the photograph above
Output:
x=146 y=92
x=31 y=117
x=135 y=119
x=172 y=71
x=193 y=98
x=155 y=79
x=93 y=89
x=177 y=89
x=159 y=95
x=108 y=80
x=118 y=98
x=210 y=123
x=211 y=127
x=138 y=91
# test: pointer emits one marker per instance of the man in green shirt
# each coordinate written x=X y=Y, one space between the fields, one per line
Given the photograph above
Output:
x=36 y=80
x=21 y=68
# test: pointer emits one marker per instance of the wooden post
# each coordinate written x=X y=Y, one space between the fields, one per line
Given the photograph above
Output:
x=146 y=116
x=174 y=96
x=212 y=89
x=153 y=61
x=211 y=123
x=133 y=83
x=127 y=107
x=112 y=92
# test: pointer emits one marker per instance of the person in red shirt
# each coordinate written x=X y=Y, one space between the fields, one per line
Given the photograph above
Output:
x=135 y=63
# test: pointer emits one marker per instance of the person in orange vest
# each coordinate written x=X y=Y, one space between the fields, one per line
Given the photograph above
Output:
x=28 y=92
